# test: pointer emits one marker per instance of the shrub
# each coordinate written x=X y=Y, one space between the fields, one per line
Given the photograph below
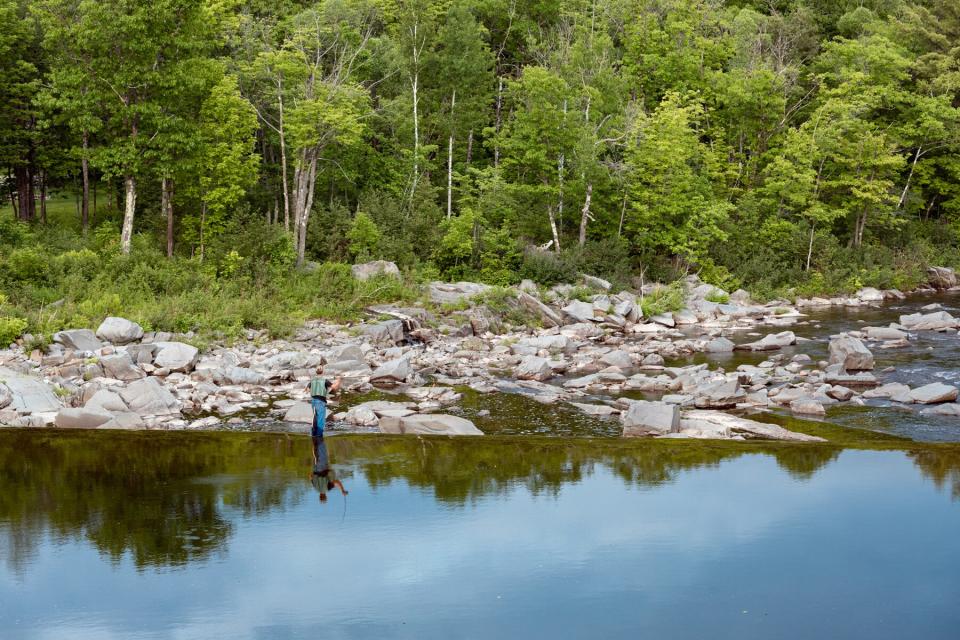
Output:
x=719 y=298
x=547 y=268
x=663 y=300
x=11 y=329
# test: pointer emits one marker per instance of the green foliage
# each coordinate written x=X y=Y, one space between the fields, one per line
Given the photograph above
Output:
x=664 y=299
x=364 y=237
x=11 y=329
x=719 y=298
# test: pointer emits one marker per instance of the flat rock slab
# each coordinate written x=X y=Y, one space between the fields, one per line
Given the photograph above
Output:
x=718 y=425
x=78 y=340
x=300 y=412
x=429 y=424
x=149 y=397
x=934 y=393
x=643 y=418
x=29 y=394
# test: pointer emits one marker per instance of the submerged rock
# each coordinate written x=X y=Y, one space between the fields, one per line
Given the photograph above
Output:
x=430 y=424
x=718 y=425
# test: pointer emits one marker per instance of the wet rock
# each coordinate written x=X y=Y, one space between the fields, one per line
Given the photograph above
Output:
x=941 y=277
x=887 y=391
x=851 y=354
x=392 y=371
x=369 y=270
x=430 y=424
x=78 y=340
x=119 y=331
x=934 y=393
x=210 y=422
x=617 y=358
x=884 y=333
x=534 y=368
x=928 y=322
x=389 y=332
x=121 y=367
x=548 y=316
x=851 y=380
x=452 y=293
x=643 y=418
x=176 y=356
x=840 y=393
x=949 y=409
x=149 y=397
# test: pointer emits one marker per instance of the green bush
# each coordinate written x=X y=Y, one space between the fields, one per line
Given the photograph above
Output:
x=547 y=268
x=11 y=329
x=663 y=300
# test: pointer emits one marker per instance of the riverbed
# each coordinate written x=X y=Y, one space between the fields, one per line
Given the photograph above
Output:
x=177 y=535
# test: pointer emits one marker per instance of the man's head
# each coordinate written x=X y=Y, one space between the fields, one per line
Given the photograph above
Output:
x=319 y=370
x=323 y=498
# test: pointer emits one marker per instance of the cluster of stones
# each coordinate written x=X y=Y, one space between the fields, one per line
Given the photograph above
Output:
x=599 y=346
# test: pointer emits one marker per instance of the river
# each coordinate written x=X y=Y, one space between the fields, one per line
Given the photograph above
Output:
x=175 y=535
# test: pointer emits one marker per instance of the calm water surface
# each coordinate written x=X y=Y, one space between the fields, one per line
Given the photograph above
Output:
x=153 y=535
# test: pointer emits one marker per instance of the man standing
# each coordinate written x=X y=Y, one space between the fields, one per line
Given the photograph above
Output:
x=320 y=389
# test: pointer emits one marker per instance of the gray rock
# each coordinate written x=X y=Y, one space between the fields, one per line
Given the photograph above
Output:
x=28 y=393
x=121 y=367
x=941 y=277
x=149 y=397
x=83 y=418
x=430 y=424
x=807 y=406
x=644 y=418
x=580 y=311
x=389 y=332
x=5 y=396
x=368 y=270
x=770 y=342
x=360 y=416
x=392 y=372
x=176 y=356
x=106 y=400
x=950 y=409
x=347 y=368
x=583 y=330
x=934 y=393
x=348 y=352
x=534 y=368
x=547 y=315
x=617 y=358
x=685 y=317
x=719 y=345
x=840 y=393
x=884 y=333
x=594 y=409
x=238 y=375
x=740 y=296
x=653 y=360
x=119 y=330
x=928 y=322
x=142 y=353
x=725 y=394
x=451 y=293
x=851 y=354
x=888 y=390
x=78 y=340
x=596 y=283
x=869 y=294
x=665 y=319
x=300 y=412
x=716 y=424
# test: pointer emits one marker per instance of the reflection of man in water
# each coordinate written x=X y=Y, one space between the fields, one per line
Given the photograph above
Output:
x=322 y=476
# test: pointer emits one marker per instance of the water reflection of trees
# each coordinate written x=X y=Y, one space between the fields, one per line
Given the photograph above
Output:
x=168 y=499
x=942 y=465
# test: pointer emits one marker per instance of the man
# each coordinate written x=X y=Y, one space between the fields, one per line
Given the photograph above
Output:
x=320 y=389
x=322 y=477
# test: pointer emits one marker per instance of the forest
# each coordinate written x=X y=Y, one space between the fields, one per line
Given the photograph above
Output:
x=212 y=163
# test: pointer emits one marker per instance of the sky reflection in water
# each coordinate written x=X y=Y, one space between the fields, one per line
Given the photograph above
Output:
x=202 y=536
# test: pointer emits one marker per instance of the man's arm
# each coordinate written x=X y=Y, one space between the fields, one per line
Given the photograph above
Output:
x=339 y=485
x=336 y=385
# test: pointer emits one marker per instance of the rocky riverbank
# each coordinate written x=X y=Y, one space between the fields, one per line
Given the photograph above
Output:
x=595 y=352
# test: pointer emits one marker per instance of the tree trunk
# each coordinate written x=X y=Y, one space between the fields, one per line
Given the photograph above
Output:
x=416 y=138
x=469 y=147
x=813 y=228
x=85 y=176
x=498 y=121
x=906 y=187
x=453 y=102
x=25 y=204
x=585 y=214
x=623 y=213
x=305 y=181
x=13 y=198
x=203 y=223
x=166 y=209
x=553 y=230
x=43 y=197
x=129 y=206
x=283 y=164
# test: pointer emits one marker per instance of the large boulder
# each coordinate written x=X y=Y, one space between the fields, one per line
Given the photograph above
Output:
x=617 y=358
x=719 y=425
x=237 y=375
x=452 y=293
x=119 y=330
x=389 y=332
x=724 y=394
x=176 y=356
x=346 y=352
x=392 y=371
x=368 y=270
x=29 y=394
x=869 y=294
x=934 y=393
x=121 y=367
x=928 y=321
x=347 y=368
x=429 y=424
x=534 y=368
x=851 y=354
x=78 y=340
x=719 y=345
x=82 y=418
x=941 y=277
x=547 y=315
x=149 y=397
x=595 y=282
x=884 y=333
x=106 y=400
x=643 y=418
x=580 y=311
x=300 y=412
